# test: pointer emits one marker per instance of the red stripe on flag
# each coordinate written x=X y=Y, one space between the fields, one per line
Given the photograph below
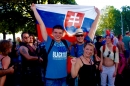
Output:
x=49 y=31
x=39 y=33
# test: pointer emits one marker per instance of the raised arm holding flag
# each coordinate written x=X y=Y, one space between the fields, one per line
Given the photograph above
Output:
x=57 y=58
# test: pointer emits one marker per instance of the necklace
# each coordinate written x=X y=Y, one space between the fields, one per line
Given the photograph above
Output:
x=87 y=60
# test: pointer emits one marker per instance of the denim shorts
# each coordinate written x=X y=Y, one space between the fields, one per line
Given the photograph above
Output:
x=55 y=82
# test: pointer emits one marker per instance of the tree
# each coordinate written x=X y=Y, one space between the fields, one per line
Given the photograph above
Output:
x=17 y=16
x=61 y=1
x=12 y=19
x=110 y=19
x=126 y=18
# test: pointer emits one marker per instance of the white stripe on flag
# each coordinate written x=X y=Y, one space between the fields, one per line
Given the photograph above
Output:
x=62 y=9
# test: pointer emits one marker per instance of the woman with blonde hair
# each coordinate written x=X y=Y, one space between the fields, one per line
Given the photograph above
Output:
x=5 y=49
x=84 y=67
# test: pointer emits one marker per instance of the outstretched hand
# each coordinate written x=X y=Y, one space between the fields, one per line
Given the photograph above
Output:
x=97 y=10
x=33 y=6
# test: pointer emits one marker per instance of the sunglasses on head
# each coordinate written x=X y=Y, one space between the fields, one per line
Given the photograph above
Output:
x=108 y=53
x=79 y=35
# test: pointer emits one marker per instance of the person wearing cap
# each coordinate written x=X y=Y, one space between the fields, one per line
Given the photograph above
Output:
x=80 y=41
x=126 y=40
x=76 y=49
x=56 y=74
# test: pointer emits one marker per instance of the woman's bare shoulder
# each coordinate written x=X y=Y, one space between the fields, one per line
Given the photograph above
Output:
x=1 y=56
x=6 y=59
x=79 y=61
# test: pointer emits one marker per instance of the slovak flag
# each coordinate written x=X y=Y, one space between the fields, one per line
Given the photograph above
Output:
x=71 y=17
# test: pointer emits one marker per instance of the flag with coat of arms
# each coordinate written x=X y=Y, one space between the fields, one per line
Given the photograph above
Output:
x=71 y=17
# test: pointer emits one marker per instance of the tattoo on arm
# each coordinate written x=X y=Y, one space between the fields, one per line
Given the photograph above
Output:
x=24 y=51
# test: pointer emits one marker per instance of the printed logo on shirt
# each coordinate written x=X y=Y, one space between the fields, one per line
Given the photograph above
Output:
x=59 y=55
x=61 y=52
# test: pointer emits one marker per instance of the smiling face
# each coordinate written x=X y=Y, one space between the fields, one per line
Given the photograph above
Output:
x=57 y=34
x=80 y=38
x=108 y=39
x=88 y=50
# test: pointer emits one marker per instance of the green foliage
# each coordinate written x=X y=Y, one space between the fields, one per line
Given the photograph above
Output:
x=126 y=18
x=110 y=19
x=15 y=15
x=12 y=19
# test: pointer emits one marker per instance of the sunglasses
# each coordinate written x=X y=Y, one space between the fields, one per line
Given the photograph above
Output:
x=108 y=53
x=79 y=35
x=26 y=37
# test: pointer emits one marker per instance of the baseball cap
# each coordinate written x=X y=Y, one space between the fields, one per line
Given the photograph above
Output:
x=127 y=32
x=79 y=31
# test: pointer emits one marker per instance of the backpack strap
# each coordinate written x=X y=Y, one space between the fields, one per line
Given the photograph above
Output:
x=51 y=45
x=114 y=50
x=46 y=59
x=66 y=45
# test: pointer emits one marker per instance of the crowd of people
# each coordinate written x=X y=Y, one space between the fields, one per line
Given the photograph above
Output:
x=100 y=63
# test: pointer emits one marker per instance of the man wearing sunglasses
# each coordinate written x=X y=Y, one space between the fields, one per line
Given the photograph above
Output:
x=31 y=75
x=77 y=48
x=56 y=74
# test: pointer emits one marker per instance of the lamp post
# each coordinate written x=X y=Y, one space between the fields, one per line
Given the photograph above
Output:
x=121 y=24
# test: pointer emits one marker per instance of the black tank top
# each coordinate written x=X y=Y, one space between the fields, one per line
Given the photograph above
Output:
x=87 y=75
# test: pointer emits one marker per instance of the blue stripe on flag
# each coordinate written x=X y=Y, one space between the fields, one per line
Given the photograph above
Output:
x=51 y=19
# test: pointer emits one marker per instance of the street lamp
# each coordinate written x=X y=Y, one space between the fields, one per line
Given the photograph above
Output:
x=121 y=24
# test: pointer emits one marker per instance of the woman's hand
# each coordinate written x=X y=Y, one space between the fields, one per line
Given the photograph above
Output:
x=97 y=58
x=100 y=68
x=114 y=75
x=73 y=61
